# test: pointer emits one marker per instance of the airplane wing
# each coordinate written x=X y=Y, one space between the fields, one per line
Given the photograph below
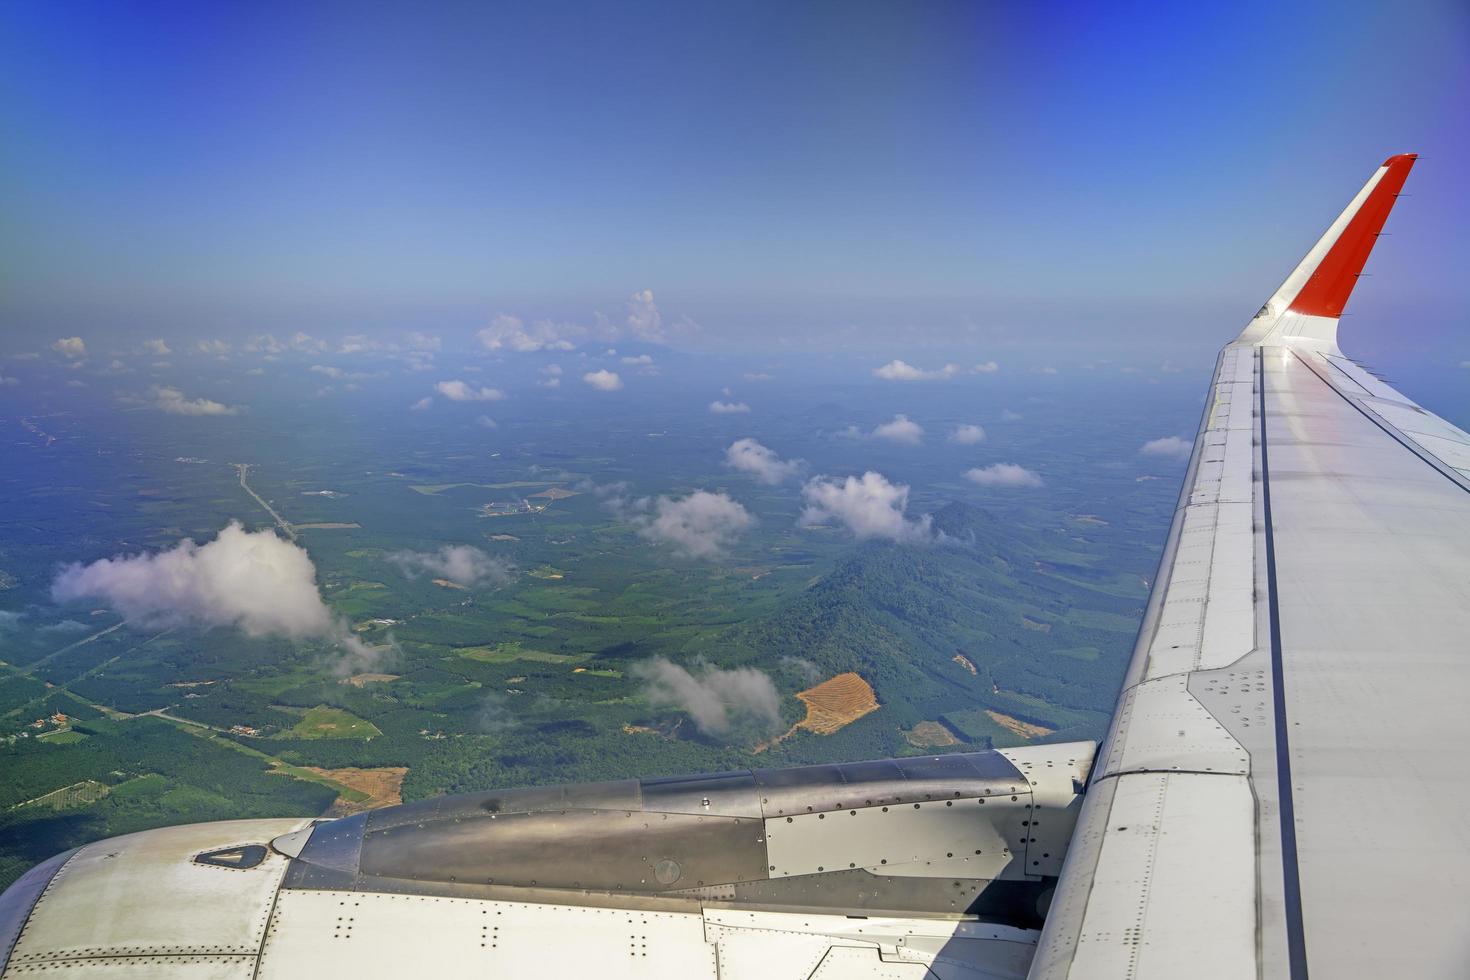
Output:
x=1281 y=793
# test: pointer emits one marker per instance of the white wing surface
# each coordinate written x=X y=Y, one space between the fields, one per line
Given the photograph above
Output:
x=1283 y=791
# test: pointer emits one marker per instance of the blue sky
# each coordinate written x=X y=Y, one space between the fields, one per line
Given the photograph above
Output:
x=893 y=176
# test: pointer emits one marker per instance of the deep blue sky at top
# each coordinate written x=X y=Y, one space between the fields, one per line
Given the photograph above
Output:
x=896 y=175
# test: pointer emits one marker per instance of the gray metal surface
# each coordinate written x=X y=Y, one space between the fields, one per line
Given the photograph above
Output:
x=938 y=835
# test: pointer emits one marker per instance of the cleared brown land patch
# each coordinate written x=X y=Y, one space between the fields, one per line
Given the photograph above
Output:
x=929 y=734
x=830 y=705
x=384 y=787
x=444 y=583
x=1015 y=725
x=1032 y=624
x=966 y=663
x=358 y=680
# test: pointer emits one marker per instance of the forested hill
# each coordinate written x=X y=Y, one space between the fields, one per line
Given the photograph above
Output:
x=1042 y=620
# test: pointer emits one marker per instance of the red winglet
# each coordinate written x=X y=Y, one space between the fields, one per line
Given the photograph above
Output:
x=1327 y=291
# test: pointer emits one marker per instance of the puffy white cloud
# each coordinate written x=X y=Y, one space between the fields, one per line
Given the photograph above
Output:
x=644 y=320
x=901 y=429
x=70 y=347
x=1003 y=475
x=869 y=506
x=216 y=347
x=719 y=702
x=510 y=333
x=729 y=408
x=329 y=371
x=986 y=367
x=641 y=359
x=751 y=457
x=422 y=405
x=172 y=401
x=460 y=391
x=156 y=347
x=967 y=435
x=897 y=370
x=458 y=563
x=1169 y=447
x=603 y=380
x=700 y=525
x=264 y=344
x=251 y=580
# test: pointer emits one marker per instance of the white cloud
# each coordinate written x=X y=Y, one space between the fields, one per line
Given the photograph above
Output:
x=1003 y=475
x=422 y=405
x=869 y=506
x=215 y=347
x=718 y=701
x=700 y=525
x=901 y=429
x=264 y=344
x=641 y=359
x=1009 y=416
x=553 y=370
x=1048 y=370
x=255 y=581
x=70 y=347
x=751 y=457
x=729 y=408
x=1169 y=447
x=967 y=435
x=460 y=391
x=486 y=422
x=986 y=367
x=508 y=332
x=421 y=342
x=331 y=372
x=603 y=380
x=758 y=376
x=644 y=320
x=897 y=370
x=172 y=401
x=458 y=563
x=156 y=347
x=6 y=381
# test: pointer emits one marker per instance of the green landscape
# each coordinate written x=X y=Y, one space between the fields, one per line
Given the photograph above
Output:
x=1008 y=620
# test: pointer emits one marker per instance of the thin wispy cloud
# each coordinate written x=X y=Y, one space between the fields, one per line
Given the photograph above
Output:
x=461 y=564
x=728 y=408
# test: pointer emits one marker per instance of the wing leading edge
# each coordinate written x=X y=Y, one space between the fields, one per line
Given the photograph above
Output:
x=1279 y=794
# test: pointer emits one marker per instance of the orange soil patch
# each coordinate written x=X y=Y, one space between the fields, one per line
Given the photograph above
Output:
x=444 y=583
x=928 y=734
x=965 y=662
x=832 y=704
x=1022 y=728
x=384 y=787
x=358 y=680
